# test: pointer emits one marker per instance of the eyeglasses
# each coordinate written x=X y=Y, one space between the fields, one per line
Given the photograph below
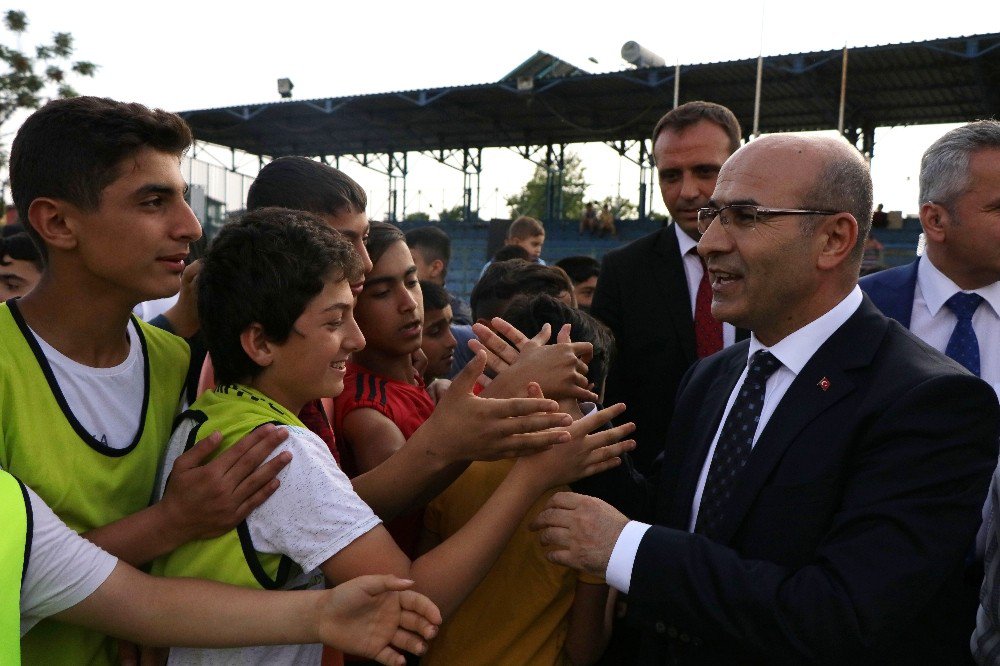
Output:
x=745 y=216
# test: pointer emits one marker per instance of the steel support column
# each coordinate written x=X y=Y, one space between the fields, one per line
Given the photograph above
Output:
x=555 y=164
x=398 y=168
x=646 y=169
x=471 y=168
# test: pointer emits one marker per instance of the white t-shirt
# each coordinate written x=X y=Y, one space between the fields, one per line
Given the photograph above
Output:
x=106 y=401
x=63 y=567
x=148 y=310
x=312 y=516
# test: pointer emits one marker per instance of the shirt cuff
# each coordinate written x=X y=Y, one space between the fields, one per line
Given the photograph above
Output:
x=619 y=575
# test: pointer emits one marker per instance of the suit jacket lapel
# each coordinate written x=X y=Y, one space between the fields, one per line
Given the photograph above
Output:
x=679 y=510
x=668 y=274
x=892 y=292
x=852 y=346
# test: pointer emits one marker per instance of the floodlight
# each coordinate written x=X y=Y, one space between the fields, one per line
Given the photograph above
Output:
x=640 y=56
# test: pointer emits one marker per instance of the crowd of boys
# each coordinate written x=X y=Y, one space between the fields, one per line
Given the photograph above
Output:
x=809 y=480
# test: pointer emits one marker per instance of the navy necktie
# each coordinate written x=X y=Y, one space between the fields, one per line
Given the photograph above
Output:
x=735 y=443
x=963 y=346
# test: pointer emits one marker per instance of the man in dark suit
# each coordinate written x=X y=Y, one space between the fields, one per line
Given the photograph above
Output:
x=822 y=480
x=950 y=299
x=648 y=291
x=959 y=202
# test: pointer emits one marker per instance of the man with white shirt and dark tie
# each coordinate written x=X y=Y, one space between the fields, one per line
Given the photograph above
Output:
x=950 y=299
x=654 y=293
x=822 y=481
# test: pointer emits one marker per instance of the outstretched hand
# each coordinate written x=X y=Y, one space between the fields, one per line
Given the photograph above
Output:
x=204 y=500
x=464 y=427
x=587 y=453
x=579 y=531
x=560 y=369
x=378 y=617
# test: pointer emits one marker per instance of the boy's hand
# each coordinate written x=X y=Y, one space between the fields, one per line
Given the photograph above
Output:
x=464 y=427
x=183 y=315
x=560 y=369
x=584 y=455
x=438 y=388
x=376 y=617
x=206 y=500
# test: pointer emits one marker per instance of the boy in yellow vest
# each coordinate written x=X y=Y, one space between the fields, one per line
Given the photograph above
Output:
x=284 y=342
x=87 y=392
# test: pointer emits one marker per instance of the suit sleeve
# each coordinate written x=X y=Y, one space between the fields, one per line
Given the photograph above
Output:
x=607 y=297
x=907 y=514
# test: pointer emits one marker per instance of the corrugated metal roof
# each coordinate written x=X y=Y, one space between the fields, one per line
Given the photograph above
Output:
x=945 y=80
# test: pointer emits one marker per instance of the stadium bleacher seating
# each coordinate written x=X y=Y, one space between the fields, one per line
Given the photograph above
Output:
x=469 y=242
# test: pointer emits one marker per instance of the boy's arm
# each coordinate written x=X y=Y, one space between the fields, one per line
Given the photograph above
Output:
x=462 y=428
x=200 y=500
x=589 y=626
x=372 y=437
x=373 y=616
x=450 y=571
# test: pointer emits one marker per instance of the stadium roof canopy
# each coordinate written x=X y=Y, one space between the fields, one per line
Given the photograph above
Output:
x=546 y=101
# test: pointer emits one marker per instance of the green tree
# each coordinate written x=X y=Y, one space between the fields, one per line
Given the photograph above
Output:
x=621 y=208
x=532 y=201
x=27 y=80
x=419 y=216
x=457 y=214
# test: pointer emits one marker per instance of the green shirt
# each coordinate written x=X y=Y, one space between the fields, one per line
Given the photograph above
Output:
x=87 y=483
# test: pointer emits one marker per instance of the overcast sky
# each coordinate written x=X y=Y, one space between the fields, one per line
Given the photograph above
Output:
x=184 y=55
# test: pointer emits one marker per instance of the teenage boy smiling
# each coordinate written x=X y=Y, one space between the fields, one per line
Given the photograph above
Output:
x=83 y=383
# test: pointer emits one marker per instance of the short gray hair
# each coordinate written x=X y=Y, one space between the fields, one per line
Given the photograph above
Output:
x=944 y=168
x=844 y=184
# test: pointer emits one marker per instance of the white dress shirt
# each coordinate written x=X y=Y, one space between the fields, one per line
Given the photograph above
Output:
x=794 y=351
x=693 y=270
x=933 y=322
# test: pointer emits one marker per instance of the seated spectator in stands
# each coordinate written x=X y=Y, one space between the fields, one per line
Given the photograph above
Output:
x=537 y=612
x=880 y=219
x=606 y=222
x=588 y=221
x=438 y=342
x=583 y=271
x=528 y=233
x=431 y=250
x=20 y=265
